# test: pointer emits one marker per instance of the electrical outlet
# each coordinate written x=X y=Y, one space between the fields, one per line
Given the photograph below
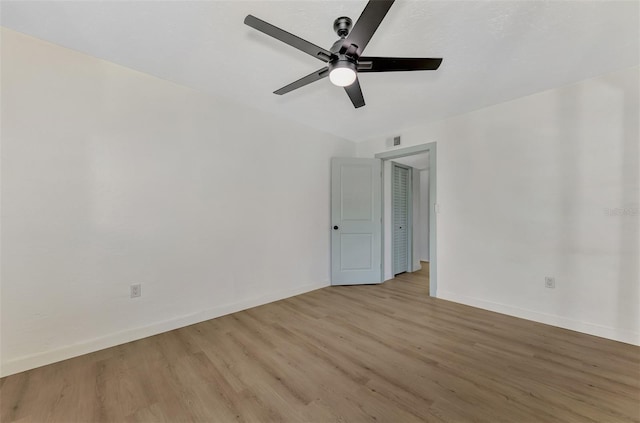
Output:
x=136 y=290
x=549 y=282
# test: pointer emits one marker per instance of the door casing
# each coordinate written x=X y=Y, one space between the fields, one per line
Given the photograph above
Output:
x=433 y=197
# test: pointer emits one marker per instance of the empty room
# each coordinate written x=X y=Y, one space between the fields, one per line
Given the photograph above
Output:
x=320 y=211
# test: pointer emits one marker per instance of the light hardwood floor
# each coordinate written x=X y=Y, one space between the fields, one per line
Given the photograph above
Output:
x=385 y=353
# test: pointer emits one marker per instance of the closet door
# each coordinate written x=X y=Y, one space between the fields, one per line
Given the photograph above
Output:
x=401 y=185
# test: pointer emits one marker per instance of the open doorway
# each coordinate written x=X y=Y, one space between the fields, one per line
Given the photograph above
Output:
x=417 y=212
x=421 y=248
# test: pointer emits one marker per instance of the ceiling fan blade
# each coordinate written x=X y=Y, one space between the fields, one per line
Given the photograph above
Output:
x=312 y=77
x=397 y=64
x=355 y=94
x=288 y=38
x=371 y=17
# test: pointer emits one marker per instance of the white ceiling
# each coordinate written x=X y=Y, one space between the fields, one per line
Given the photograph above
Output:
x=493 y=51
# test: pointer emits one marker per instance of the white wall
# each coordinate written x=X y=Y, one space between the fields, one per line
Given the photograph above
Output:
x=112 y=177
x=424 y=215
x=543 y=185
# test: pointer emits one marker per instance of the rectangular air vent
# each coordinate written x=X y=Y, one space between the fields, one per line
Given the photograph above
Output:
x=396 y=140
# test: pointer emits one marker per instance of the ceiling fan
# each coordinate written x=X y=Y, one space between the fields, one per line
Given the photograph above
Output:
x=344 y=59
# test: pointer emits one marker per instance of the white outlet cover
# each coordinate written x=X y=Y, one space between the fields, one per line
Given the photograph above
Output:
x=136 y=290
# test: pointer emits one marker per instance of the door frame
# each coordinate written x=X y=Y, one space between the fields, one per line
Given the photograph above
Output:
x=409 y=263
x=431 y=148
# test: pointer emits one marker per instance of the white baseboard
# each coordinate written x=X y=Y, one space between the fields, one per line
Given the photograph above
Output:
x=47 y=357
x=615 y=334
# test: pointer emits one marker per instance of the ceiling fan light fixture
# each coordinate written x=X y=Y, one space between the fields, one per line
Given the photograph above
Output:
x=343 y=73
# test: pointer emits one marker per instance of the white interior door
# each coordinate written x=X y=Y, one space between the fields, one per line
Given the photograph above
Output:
x=401 y=219
x=356 y=221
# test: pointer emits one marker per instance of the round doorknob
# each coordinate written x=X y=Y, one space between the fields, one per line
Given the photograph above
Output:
x=335 y=228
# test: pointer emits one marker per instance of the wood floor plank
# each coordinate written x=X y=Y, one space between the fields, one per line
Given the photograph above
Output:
x=385 y=353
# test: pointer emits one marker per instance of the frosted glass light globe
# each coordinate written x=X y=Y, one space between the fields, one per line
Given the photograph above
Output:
x=342 y=77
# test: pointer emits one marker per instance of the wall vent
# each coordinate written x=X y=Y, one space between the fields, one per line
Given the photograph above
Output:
x=396 y=140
